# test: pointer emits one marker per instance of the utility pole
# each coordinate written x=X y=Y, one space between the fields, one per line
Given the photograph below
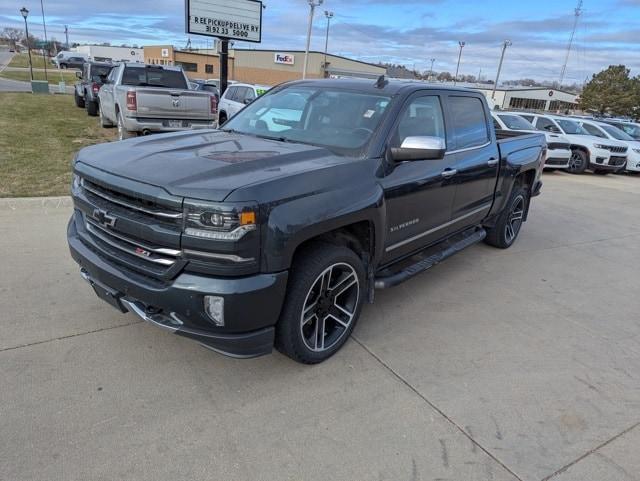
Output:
x=329 y=16
x=577 y=13
x=224 y=64
x=505 y=44
x=46 y=43
x=312 y=8
x=455 y=79
x=66 y=36
x=24 y=13
x=431 y=70
x=479 y=76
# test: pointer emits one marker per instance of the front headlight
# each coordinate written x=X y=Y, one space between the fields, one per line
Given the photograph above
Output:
x=214 y=221
x=601 y=146
x=637 y=151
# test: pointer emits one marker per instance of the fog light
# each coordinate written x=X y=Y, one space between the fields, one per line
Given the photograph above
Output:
x=214 y=307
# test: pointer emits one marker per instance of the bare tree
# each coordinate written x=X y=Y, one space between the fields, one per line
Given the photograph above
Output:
x=12 y=36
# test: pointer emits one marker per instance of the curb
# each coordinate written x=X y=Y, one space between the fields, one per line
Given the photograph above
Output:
x=18 y=203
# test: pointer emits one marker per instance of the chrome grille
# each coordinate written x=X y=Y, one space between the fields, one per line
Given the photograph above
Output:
x=558 y=146
x=156 y=255
x=131 y=203
x=617 y=150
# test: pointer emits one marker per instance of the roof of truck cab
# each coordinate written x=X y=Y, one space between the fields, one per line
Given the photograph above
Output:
x=391 y=87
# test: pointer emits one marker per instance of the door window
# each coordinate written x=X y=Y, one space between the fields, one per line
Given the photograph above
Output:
x=595 y=131
x=547 y=125
x=469 y=122
x=230 y=93
x=422 y=117
x=240 y=94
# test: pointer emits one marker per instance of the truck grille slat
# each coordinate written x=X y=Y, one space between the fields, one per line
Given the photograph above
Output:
x=132 y=247
x=128 y=203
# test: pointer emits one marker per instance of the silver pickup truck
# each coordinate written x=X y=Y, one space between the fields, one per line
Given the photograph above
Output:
x=140 y=99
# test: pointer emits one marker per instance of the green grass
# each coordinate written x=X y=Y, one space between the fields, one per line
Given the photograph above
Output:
x=54 y=76
x=22 y=60
x=40 y=136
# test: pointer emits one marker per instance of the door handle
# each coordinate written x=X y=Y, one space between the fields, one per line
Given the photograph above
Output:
x=492 y=162
x=448 y=173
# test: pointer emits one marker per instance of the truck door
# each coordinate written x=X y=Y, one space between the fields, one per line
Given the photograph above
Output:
x=477 y=160
x=418 y=194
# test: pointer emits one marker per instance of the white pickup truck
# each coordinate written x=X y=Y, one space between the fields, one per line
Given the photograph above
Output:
x=141 y=99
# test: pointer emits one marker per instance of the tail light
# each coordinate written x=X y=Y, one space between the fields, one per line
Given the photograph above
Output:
x=132 y=101
x=214 y=104
x=95 y=88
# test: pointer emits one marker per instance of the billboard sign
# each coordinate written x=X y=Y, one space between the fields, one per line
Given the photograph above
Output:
x=228 y=19
x=284 y=58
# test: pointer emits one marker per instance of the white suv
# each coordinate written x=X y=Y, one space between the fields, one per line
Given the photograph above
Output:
x=606 y=131
x=558 y=147
x=587 y=151
x=236 y=97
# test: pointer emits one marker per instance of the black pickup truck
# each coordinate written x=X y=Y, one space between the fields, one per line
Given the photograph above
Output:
x=276 y=228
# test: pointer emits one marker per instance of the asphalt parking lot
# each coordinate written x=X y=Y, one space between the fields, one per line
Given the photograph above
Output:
x=509 y=365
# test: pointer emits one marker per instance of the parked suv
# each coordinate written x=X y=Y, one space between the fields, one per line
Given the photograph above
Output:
x=587 y=151
x=630 y=128
x=86 y=90
x=236 y=97
x=558 y=147
x=70 y=60
x=606 y=131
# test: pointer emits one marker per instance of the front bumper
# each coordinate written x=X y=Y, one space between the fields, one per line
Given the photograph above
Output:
x=141 y=124
x=252 y=304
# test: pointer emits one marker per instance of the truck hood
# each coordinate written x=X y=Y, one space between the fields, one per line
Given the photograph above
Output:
x=204 y=164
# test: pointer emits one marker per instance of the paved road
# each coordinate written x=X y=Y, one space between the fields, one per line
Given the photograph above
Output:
x=496 y=365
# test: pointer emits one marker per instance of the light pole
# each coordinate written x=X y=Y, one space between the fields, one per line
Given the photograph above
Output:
x=46 y=43
x=312 y=8
x=455 y=79
x=329 y=16
x=66 y=35
x=25 y=13
x=431 y=70
x=505 y=44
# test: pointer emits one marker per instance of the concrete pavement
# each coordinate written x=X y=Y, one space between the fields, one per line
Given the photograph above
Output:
x=521 y=364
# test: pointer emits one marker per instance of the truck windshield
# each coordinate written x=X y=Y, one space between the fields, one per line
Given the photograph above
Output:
x=343 y=121
x=571 y=127
x=515 y=122
x=153 y=77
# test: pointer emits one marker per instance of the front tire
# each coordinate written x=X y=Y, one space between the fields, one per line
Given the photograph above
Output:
x=92 y=108
x=324 y=298
x=222 y=118
x=509 y=223
x=578 y=162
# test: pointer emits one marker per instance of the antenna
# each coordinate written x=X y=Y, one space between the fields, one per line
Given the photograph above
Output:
x=577 y=13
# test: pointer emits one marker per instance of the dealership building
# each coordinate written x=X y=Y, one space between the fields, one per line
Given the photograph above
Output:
x=268 y=67
x=530 y=98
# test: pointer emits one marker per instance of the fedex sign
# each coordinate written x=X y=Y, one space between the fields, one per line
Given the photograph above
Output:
x=284 y=58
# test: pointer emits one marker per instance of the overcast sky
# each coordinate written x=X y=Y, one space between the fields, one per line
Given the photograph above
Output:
x=399 y=31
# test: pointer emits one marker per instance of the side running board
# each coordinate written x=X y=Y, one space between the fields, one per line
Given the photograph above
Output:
x=423 y=260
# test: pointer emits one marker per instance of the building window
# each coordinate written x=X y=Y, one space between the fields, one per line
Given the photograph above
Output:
x=208 y=68
x=528 y=104
x=188 y=66
x=561 y=105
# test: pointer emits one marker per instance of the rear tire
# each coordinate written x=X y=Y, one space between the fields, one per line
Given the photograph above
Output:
x=78 y=100
x=222 y=118
x=92 y=108
x=505 y=232
x=578 y=162
x=326 y=289
x=104 y=122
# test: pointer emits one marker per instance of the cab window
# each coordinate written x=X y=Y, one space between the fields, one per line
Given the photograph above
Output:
x=422 y=117
x=469 y=122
